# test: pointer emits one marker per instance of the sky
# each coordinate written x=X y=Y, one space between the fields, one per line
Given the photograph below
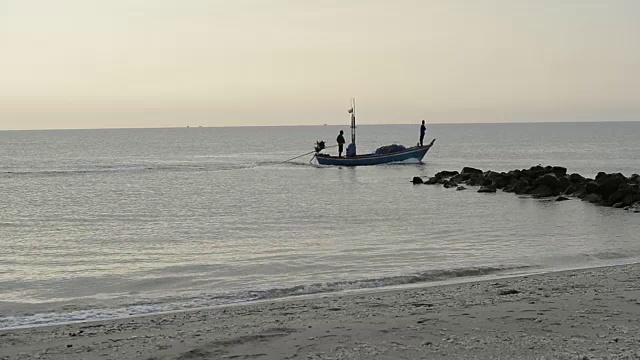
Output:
x=166 y=63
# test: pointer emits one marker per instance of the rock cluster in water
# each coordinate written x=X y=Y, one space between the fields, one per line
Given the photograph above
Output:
x=614 y=190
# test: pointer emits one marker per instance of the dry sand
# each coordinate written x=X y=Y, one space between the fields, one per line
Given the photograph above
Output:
x=583 y=314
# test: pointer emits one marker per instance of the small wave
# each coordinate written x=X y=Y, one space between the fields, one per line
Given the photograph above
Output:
x=425 y=277
x=172 y=303
x=102 y=169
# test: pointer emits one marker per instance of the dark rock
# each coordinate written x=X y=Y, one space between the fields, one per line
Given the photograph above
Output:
x=537 y=171
x=550 y=180
x=574 y=189
x=635 y=178
x=559 y=171
x=461 y=178
x=470 y=170
x=521 y=186
x=620 y=194
x=475 y=180
x=576 y=178
x=590 y=187
x=461 y=188
x=564 y=183
x=511 y=186
x=431 y=181
x=450 y=184
x=488 y=182
x=562 y=198
x=629 y=200
x=543 y=191
x=417 y=180
x=515 y=174
x=502 y=181
x=609 y=184
x=487 y=189
x=446 y=174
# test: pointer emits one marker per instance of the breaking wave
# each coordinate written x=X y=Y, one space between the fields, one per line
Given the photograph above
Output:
x=171 y=303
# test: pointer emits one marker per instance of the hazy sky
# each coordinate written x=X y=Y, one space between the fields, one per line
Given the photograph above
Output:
x=155 y=63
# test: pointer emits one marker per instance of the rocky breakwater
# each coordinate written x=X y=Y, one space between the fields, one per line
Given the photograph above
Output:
x=614 y=190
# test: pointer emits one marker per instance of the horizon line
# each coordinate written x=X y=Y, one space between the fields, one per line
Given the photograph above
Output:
x=322 y=125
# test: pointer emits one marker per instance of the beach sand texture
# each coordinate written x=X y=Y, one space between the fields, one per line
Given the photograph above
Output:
x=581 y=314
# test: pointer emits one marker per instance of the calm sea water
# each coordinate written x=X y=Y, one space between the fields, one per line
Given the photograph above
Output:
x=98 y=224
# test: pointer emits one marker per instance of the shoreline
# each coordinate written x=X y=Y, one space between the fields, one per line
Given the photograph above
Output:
x=492 y=275
x=592 y=312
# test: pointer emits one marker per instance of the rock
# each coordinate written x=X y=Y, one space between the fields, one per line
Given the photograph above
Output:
x=449 y=184
x=550 y=180
x=564 y=183
x=475 y=180
x=446 y=174
x=461 y=178
x=487 y=189
x=521 y=186
x=511 y=186
x=470 y=170
x=574 y=189
x=624 y=192
x=576 y=178
x=590 y=187
x=543 y=191
x=541 y=182
x=502 y=180
x=431 y=181
x=537 y=171
x=609 y=184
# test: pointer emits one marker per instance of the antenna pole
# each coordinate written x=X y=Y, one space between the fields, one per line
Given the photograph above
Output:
x=353 y=121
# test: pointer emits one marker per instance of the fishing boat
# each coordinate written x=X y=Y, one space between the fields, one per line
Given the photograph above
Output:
x=383 y=155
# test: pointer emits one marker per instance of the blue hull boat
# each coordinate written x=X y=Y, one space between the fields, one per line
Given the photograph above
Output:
x=385 y=155
x=413 y=153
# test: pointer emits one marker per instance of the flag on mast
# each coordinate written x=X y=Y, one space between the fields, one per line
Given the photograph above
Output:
x=350 y=110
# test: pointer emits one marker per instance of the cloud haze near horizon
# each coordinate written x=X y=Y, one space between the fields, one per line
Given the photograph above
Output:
x=137 y=63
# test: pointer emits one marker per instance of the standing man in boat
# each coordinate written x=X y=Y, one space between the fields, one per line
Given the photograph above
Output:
x=423 y=131
x=340 y=140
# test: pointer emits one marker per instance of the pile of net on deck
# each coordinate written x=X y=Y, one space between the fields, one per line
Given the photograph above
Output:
x=389 y=149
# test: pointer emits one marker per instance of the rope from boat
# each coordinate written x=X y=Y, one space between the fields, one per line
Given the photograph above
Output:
x=310 y=152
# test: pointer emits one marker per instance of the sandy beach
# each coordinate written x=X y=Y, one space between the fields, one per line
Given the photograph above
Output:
x=582 y=314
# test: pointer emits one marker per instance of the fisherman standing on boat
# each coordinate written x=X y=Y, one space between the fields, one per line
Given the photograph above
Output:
x=423 y=131
x=340 y=140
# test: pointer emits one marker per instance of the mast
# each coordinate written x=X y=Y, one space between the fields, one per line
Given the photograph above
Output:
x=353 y=120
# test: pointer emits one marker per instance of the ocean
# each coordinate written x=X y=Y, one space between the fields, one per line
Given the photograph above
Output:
x=101 y=224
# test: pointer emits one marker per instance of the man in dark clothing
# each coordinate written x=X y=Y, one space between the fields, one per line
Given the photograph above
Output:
x=341 y=142
x=423 y=130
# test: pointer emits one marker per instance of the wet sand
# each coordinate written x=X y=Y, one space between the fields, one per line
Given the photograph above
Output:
x=582 y=314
